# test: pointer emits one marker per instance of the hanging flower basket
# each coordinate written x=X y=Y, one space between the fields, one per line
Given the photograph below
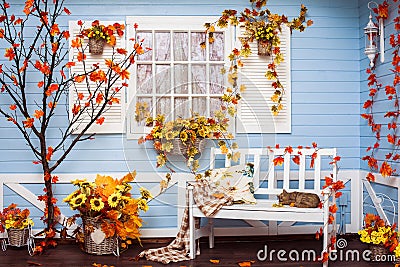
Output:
x=181 y=148
x=95 y=241
x=96 y=46
x=264 y=48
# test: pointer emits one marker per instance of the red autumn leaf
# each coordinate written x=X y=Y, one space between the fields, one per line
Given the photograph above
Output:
x=278 y=161
x=296 y=159
x=54 y=30
x=391 y=139
x=54 y=179
x=49 y=154
x=13 y=107
x=396 y=157
x=66 y=10
x=289 y=150
x=314 y=145
x=81 y=57
x=28 y=123
x=99 y=98
x=367 y=104
x=9 y=54
x=38 y=114
x=52 y=88
x=338 y=194
x=100 y=120
x=76 y=109
x=386 y=169
x=333 y=208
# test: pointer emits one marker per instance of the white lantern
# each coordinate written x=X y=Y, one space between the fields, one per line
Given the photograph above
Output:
x=372 y=32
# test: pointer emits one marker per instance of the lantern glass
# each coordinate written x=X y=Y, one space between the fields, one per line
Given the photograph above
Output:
x=371 y=39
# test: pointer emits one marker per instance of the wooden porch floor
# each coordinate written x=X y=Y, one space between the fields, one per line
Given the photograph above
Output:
x=229 y=252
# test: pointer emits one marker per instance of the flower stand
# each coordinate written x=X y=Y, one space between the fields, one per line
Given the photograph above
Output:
x=19 y=238
x=95 y=242
x=96 y=46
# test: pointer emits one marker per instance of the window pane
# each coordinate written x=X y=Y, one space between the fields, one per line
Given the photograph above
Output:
x=197 y=52
x=200 y=105
x=181 y=79
x=164 y=106
x=181 y=46
x=162 y=46
x=144 y=79
x=163 y=79
x=215 y=104
x=217 y=47
x=142 y=110
x=198 y=79
x=147 y=42
x=182 y=107
x=216 y=79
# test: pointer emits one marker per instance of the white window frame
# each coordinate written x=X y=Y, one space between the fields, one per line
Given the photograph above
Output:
x=167 y=23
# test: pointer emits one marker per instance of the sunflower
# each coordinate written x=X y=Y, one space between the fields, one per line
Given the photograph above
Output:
x=113 y=199
x=79 y=200
x=145 y=193
x=183 y=136
x=69 y=197
x=96 y=204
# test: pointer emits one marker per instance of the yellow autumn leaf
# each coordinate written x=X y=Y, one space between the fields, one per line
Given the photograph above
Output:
x=214 y=261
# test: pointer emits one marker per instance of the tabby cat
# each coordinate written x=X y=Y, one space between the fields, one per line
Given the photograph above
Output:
x=299 y=199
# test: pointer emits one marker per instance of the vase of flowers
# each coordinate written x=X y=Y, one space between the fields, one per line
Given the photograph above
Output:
x=382 y=239
x=109 y=213
x=185 y=137
x=18 y=226
x=99 y=35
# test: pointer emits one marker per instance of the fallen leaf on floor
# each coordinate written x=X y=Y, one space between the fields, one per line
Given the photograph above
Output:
x=31 y=263
x=101 y=265
x=219 y=195
x=147 y=266
x=214 y=261
x=245 y=263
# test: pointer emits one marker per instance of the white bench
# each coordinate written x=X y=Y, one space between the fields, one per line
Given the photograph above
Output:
x=294 y=179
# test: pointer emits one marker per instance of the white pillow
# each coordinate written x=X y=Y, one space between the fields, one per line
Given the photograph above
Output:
x=235 y=181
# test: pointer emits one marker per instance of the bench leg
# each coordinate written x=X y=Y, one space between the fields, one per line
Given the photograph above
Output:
x=211 y=234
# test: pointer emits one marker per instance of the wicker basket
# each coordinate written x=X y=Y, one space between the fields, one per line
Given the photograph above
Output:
x=181 y=149
x=264 y=48
x=96 y=46
x=378 y=250
x=18 y=237
x=108 y=246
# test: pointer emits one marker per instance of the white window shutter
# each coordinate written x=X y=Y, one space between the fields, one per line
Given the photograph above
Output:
x=254 y=113
x=115 y=115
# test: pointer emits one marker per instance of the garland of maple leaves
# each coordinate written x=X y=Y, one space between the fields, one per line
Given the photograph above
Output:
x=377 y=164
x=331 y=188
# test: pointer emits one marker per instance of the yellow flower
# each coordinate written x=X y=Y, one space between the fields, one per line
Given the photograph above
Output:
x=78 y=201
x=96 y=204
x=142 y=204
x=68 y=198
x=113 y=199
x=183 y=136
x=145 y=193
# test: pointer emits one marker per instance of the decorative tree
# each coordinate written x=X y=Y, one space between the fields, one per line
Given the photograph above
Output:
x=41 y=50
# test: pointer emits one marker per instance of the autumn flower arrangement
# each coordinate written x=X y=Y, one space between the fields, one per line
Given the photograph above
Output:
x=106 y=33
x=14 y=218
x=189 y=132
x=109 y=201
x=263 y=26
x=377 y=232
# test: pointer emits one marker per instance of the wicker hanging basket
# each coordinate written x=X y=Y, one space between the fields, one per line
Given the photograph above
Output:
x=96 y=46
x=264 y=48
x=109 y=245
x=18 y=237
x=180 y=148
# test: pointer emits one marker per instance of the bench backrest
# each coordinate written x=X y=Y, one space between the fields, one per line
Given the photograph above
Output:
x=276 y=169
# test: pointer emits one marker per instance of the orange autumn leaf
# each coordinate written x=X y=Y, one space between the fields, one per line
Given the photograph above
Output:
x=52 y=88
x=333 y=208
x=245 y=263
x=70 y=64
x=296 y=159
x=386 y=169
x=370 y=177
x=289 y=150
x=13 y=107
x=38 y=114
x=9 y=54
x=76 y=109
x=49 y=154
x=54 y=30
x=278 y=161
x=100 y=120
x=76 y=43
x=81 y=57
x=214 y=261
x=28 y=123
x=79 y=78
x=124 y=74
x=99 y=98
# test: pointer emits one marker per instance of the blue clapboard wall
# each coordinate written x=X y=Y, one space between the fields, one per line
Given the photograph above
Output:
x=327 y=78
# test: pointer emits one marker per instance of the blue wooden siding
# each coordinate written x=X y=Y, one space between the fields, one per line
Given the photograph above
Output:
x=325 y=94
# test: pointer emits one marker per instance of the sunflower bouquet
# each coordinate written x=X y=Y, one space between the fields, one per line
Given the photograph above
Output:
x=14 y=218
x=109 y=202
x=106 y=33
